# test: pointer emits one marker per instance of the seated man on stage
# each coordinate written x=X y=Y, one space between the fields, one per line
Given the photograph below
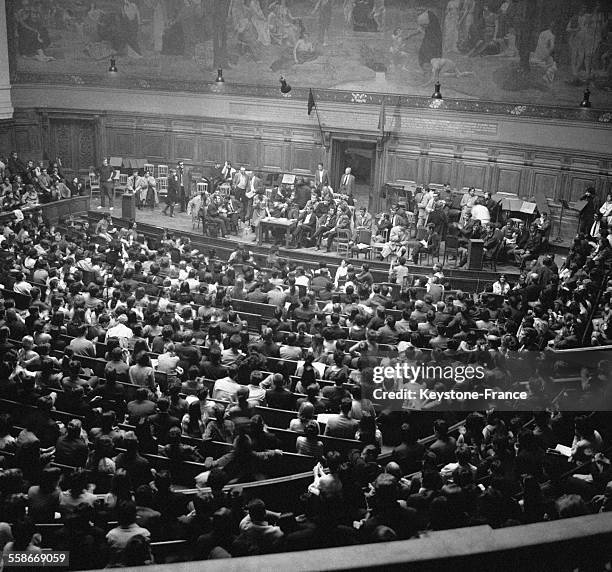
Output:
x=471 y=231
x=307 y=222
x=363 y=220
x=328 y=222
x=343 y=222
x=543 y=225
x=229 y=207
x=519 y=235
x=532 y=248
x=214 y=216
x=195 y=206
x=430 y=244
x=327 y=193
x=398 y=238
x=492 y=239
x=383 y=224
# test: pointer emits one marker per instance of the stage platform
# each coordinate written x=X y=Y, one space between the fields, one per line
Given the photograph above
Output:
x=154 y=222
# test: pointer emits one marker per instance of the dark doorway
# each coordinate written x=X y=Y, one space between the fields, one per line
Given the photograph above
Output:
x=73 y=140
x=360 y=156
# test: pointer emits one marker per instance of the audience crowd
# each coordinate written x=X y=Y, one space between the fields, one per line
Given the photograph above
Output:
x=184 y=367
x=32 y=183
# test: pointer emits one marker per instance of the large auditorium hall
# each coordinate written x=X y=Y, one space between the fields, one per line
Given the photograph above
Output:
x=309 y=285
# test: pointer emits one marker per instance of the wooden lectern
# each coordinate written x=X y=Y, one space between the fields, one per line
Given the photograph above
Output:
x=128 y=206
x=475 y=254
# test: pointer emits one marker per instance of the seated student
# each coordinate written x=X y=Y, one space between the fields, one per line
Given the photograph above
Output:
x=214 y=216
x=430 y=244
x=119 y=537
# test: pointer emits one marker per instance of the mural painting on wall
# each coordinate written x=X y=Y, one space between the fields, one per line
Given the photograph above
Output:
x=538 y=51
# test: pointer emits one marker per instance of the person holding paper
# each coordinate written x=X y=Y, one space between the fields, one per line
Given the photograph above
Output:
x=430 y=244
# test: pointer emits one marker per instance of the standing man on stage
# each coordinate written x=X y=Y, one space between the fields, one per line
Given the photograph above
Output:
x=106 y=174
x=173 y=193
x=587 y=214
x=241 y=186
x=425 y=206
x=216 y=176
x=183 y=195
x=347 y=183
x=228 y=172
x=255 y=186
x=321 y=178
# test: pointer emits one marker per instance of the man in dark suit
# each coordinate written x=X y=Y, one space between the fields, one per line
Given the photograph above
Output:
x=183 y=195
x=173 y=193
x=306 y=225
x=106 y=173
x=431 y=243
x=347 y=183
x=216 y=176
x=587 y=214
x=321 y=177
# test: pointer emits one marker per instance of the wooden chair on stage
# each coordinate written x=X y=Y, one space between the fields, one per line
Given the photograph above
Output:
x=343 y=242
x=451 y=246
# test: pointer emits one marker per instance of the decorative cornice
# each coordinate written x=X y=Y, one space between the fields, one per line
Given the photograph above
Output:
x=585 y=115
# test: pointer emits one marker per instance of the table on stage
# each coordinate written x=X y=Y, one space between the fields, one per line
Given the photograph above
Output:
x=273 y=223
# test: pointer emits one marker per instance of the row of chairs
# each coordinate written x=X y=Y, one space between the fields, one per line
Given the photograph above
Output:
x=159 y=172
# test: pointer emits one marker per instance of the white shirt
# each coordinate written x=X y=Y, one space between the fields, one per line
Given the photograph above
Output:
x=481 y=213
x=119 y=331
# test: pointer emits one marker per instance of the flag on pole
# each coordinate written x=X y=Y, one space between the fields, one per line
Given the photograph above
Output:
x=381 y=117
x=311 y=102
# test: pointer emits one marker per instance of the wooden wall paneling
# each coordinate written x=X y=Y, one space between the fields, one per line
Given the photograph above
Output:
x=211 y=150
x=304 y=158
x=184 y=147
x=28 y=140
x=121 y=143
x=546 y=182
x=7 y=131
x=406 y=168
x=440 y=171
x=507 y=179
x=154 y=146
x=473 y=175
x=243 y=152
x=272 y=156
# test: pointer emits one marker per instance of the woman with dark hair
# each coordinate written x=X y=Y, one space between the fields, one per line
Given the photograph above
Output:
x=261 y=437
x=192 y=424
x=142 y=373
x=309 y=443
x=219 y=428
x=368 y=433
x=243 y=464
x=214 y=338
x=101 y=460
x=120 y=491
x=587 y=440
